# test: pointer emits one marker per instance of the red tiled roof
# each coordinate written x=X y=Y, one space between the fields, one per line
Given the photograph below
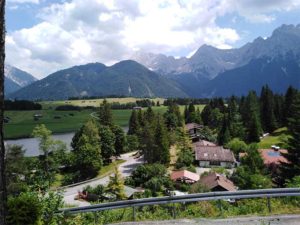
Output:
x=184 y=175
x=190 y=126
x=204 y=143
x=271 y=156
x=213 y=153
x=213 y=180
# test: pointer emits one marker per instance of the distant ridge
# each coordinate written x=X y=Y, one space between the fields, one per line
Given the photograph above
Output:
x=127 y=78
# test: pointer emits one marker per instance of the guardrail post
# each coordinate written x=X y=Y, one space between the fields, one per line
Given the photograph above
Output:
x=133 y=213
x=269 y=204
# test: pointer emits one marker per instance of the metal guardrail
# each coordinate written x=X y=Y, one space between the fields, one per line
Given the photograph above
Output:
x=258 y=193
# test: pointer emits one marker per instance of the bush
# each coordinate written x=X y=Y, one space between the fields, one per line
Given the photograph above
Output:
x=24 y=209
x=67 y=108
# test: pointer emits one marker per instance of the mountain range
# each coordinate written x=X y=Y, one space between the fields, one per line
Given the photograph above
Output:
x=15 y=79
x=209 y=72
x=127 y=78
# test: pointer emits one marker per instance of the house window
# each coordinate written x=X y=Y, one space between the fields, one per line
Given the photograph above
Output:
x=215 y=163
x=205 y=154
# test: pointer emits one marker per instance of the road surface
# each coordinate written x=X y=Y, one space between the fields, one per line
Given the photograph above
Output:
x=125 y=169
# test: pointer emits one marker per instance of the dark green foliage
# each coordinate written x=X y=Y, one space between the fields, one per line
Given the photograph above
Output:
x=293 y=156
x=267 y=106
x=107 y=143
x=24 y=209
x=21 y=105
x=173 y=118
x=290 y=95
x=132 y=143
x=185 y=159
x=16 y=169
x=206 y=115
x=161 y=151
x=105 y=114
x=185 y=156
x=144 y=173
x=134 y=126
x=250 y=114
x=251 y=174
x=120 y=139
x=224 y=133
x=86 y=154
x=236 y=127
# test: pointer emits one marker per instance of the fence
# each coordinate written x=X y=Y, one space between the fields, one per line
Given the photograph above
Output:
x=258 y=193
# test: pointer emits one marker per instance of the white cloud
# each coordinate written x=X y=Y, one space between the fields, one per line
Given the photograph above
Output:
x=260 y=11
x=80 y=31
x=24 y=1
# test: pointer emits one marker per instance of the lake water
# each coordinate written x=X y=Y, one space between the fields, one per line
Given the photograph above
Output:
x=31 y=145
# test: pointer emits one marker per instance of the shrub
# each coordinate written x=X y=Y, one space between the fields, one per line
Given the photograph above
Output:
x=24 y=209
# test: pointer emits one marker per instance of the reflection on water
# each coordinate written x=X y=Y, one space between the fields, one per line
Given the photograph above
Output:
x=31 y=144
x=32 y=147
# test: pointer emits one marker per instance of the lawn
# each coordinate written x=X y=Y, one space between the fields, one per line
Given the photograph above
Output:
x=278 y=137
x=22 y=122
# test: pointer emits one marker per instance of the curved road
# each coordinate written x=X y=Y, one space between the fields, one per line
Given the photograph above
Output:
x=125 y=169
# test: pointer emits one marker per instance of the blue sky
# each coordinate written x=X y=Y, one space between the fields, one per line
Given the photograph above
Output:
x=44 y=36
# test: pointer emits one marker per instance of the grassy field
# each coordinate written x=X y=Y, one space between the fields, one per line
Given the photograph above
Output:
x=278 y=137
x=94 y=102
x=22 y=122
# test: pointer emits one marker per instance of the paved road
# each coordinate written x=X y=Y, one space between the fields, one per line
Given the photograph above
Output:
x=270 y=220
x=125 y=169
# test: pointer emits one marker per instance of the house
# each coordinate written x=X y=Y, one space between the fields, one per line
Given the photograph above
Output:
x=184 y=176
x=273 y=157
x=217 y=182
x=193 y=129
x=203 y=143
x=208 y=156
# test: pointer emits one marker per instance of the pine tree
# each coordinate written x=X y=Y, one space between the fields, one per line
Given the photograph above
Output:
x=134 y=125
x=267 y=110
x=206 y=115
x=149 y=115
x=161 y=151
x=291 y=93
x=120 y=139
x=146 y=140
x=105 y=114
x=251 y=118
x=224 y=133
x=116 y=185
x=107 y=143
x=236 y=127
x=291 y=169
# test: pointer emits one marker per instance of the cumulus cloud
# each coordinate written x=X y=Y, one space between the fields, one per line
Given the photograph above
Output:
x=261 y=11
x=107 y=31
x=24 y=1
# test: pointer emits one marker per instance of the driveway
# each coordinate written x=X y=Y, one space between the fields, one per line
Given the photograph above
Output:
x=125 y=169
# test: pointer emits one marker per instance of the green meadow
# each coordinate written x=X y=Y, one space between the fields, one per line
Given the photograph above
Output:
x=22 y=123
